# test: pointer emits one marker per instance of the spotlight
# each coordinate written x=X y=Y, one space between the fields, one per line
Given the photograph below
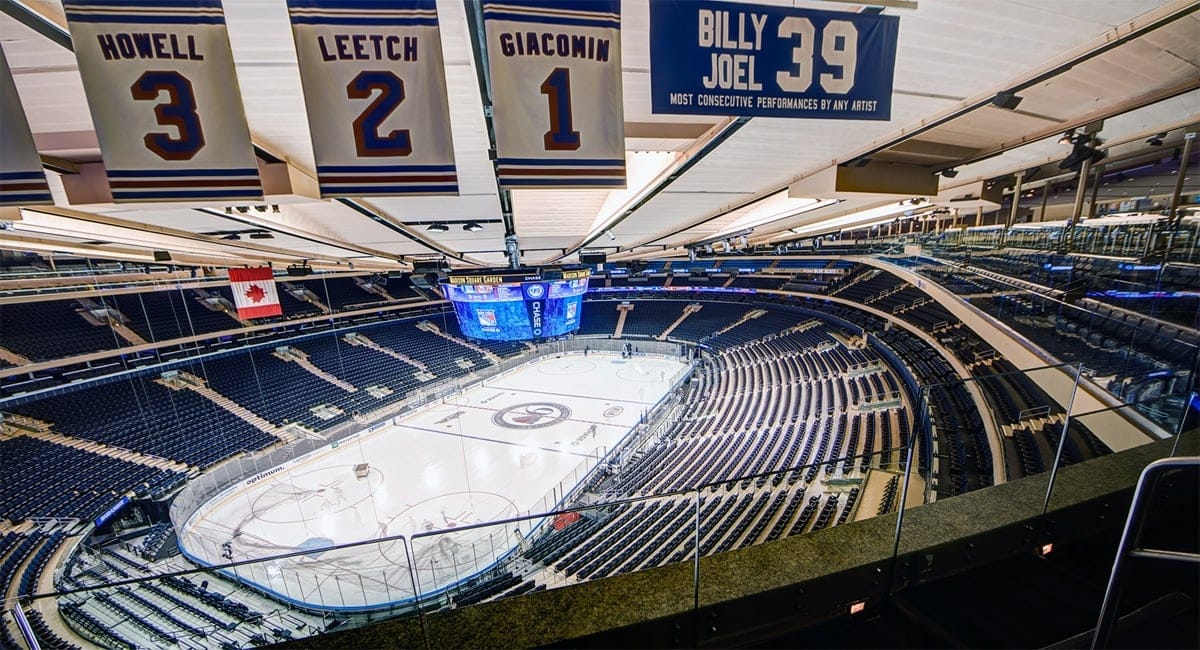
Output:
x=228 y=210
x=1068 y=137
x=471 y=226
x=949 y=173
x=437 y=227
x=260 y=208
x=1081 y=151
x=611 y=237
x=275 y=209
x=1007 y=99
x=243 y=209
x=1157 y=140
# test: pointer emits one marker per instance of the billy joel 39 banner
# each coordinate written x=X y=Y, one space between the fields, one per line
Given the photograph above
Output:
x=375 y=89
x=22 y=181
x=555 y=70
x=721 y=58
x=164 y=98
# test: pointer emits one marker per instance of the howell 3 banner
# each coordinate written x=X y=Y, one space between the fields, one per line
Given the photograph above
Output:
x=375 y=89
x=555 y=69
x=160 y=83
x=721 y=58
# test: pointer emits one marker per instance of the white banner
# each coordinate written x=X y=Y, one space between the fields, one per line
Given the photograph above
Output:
x=164 y=98
x=22 y=181
x=375 y=89
x=555 y=71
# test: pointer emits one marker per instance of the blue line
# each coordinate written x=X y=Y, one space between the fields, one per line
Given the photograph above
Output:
x=364 y=5
x=590 y=6
x=363 y=169
x=566 y=182
x=362 y=20
x=24 y=198
x=551 y=20
x=38 y=175
x=145 y=4
x=188 y=194
x=576 y=162
x=384 y=189
x=149 y=173
x=174 y=19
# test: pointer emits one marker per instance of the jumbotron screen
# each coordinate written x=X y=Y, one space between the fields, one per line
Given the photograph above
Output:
x=518 y=305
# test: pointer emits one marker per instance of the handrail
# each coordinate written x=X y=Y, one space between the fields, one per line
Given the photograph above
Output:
x=1130 y=538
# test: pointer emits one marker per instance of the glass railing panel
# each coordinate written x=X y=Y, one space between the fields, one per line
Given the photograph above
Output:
x=546 y=551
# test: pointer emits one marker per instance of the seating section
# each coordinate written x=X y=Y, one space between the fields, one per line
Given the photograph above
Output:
x=34 y=485
x=26 y=327
x=139 y=414
x=340 y=294
x=167 y=315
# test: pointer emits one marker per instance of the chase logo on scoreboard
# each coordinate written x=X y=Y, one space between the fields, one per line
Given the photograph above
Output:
x=535 y=291
x=531 y=415
x=720 y=58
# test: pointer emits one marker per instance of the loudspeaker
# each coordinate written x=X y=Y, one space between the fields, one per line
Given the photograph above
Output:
x=592 y=257
x=162 y=256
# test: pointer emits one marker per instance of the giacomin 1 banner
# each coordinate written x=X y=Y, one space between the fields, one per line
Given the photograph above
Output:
x=556 y=92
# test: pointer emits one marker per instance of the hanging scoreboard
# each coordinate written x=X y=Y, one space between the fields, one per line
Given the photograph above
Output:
x=375 y=89
x=22 y=180
x=723 y=58
x=160 y=83
x=555 y=69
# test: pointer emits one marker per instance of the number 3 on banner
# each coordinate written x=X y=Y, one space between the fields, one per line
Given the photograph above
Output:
x=178 y=111
x=367 y=140
x=800 y=76
x=557 y=89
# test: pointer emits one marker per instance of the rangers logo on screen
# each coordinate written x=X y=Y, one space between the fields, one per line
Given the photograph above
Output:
x=555 y=67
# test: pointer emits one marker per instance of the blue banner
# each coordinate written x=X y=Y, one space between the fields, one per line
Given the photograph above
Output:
x=723 y=58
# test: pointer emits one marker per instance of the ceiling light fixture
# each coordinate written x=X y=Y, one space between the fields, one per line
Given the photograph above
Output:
x=437 y=227
x=948 y=173
x=471 y=226
x=1157 y=140
x=1068 y=137
x=611 y=236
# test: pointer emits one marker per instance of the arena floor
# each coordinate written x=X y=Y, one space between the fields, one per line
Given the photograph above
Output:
x=503 y=448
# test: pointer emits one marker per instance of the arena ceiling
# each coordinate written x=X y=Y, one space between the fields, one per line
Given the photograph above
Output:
x=1133 y=63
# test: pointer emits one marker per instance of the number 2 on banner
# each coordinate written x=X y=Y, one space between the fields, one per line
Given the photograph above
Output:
x=178 y=111
x=367 y=140
x=800 y=76
x=557 y=89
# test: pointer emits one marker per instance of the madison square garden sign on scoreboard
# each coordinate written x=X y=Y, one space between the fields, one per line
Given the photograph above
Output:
x=722 y=58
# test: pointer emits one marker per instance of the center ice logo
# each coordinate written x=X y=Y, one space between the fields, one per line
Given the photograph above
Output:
x=531 y=415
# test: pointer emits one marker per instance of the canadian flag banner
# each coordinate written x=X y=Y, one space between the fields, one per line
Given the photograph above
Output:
x=254 y=292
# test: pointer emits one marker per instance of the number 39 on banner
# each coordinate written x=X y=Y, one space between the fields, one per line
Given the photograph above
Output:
x=555 y=70
x=160 y=83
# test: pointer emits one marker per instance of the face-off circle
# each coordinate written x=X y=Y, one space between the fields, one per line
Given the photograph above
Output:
x=531 y=415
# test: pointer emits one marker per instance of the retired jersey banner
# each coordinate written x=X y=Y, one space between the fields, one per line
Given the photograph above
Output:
x=555 y=71
x=254 y=292
x=722 y=58
x=22 y=181
x=159 y=79
x=375 y=89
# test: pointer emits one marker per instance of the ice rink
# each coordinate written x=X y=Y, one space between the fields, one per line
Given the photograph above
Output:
x=503 y=448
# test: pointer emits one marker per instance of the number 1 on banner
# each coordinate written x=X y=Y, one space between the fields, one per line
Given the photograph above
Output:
x=557 y=88
x=178 y=111
x=367 y=140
